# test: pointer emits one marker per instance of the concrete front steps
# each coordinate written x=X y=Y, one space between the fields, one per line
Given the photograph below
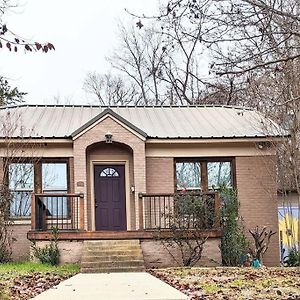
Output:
x=105 y=256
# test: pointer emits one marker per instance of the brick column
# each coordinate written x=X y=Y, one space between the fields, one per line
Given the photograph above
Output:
x=257 y=193
x=120 y=134
x=80 y=182
x=139 y=162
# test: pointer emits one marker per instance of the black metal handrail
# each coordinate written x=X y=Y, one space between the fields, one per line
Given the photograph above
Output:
x=57 y=210
x=183 y=210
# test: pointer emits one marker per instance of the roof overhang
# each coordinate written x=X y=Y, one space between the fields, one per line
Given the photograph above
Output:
x=36 y=140
x=210 y=140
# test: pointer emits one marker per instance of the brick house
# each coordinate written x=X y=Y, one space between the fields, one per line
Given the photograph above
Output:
x=100 y=173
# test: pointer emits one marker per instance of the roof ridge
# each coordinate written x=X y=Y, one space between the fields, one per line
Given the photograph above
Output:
x=129 y=106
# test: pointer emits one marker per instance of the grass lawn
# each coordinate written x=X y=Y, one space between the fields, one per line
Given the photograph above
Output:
x=234 y=283
x=27 y=279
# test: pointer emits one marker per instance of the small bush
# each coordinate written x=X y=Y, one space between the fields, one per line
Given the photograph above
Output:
x=193 y=213
x=6 y=238
x=48 y=254
x=234 y=244
x=293 y=258
x=5 y=253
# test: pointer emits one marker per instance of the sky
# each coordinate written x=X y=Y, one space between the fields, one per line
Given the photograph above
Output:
x=83 y=33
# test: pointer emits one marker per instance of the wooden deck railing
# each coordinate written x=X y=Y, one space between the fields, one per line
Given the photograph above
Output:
x=183 y=210
x=61 y=211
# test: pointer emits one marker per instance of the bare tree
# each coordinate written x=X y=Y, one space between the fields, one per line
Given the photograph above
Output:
x=16 y=183
x=262 y=239
x=140 y=56
x=110 y=89
x=160 y=66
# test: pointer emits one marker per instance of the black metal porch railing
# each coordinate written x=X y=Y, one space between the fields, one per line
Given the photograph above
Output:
x=183 y=210
x=60 y=211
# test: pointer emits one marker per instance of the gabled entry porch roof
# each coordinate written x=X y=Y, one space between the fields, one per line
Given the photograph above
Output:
x=103 y=114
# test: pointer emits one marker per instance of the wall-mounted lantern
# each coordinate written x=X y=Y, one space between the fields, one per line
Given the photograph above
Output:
x=108 y=138
x=264 y=145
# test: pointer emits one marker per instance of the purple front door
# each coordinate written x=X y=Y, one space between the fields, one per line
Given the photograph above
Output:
x=110 y=208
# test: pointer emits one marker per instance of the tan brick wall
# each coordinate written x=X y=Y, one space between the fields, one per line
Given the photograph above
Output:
x=120 y=134
x=160 y=175
x=256 y=185
x=157 y=256
x=21 y=245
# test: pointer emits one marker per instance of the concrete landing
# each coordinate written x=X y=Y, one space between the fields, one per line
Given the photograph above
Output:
x=113 y=286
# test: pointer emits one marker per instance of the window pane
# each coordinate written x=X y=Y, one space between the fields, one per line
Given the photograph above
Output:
x=21 y=182
x=21 y=176
x=109 y=172
x=219 y=173
x=21 y=204
x=54 y=176
x=188 y=175
x=54 y=179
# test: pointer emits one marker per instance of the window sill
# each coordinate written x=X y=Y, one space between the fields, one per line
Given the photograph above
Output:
x=20 y=221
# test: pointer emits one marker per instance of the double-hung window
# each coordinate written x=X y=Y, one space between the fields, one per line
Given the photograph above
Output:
x=54 y=181
x=21 y=185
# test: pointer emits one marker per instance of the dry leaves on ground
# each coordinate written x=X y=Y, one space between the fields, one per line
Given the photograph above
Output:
x=28 y=285
x=234 y=283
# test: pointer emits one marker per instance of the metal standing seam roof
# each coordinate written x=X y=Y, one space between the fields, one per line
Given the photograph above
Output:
x=65 y=121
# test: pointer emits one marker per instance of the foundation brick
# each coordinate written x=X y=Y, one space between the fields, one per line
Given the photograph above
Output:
x=157 y=256
x=21 y=245
x=69 y=251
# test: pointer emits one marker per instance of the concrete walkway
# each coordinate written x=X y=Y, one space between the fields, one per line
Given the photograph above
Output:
x=112 y=286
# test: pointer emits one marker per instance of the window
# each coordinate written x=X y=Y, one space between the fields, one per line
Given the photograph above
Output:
x=109 y=172
x=188 y=175
x=21 y=183
x=219 y=174
x=54 y=181
x=203 y=174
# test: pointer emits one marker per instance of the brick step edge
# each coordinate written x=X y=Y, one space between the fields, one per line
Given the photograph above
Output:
x=112 y=242
x=112 y=270
x=112 y=264
x=111 y=258
x=112 y=248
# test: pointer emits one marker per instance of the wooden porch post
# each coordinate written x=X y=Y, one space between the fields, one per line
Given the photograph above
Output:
x=81 y=211
x=33 y=212
x=217 y=221
x=141 y=213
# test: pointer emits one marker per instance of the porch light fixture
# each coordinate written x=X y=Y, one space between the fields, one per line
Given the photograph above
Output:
x=108 y=138
x=264 y=145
